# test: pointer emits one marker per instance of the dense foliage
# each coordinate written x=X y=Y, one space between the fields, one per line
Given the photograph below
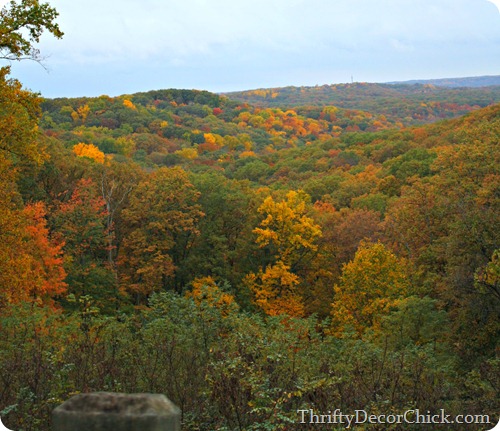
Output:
x=247 y=261
x=413 y=103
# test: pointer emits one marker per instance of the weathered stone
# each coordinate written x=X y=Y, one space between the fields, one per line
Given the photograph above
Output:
x=106 y=411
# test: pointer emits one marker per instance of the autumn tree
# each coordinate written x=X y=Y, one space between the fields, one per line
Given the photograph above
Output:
x=115 y=182
x=162 y=219
x=29 y=261
x=46 y=275
x=289 y=235
x=81 y=223
x=21 y=26
x=206 y=292
x=370 y=285
x=90 y=151
x=19 y=112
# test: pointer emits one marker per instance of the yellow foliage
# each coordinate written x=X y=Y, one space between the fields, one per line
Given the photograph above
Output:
x=287 y=226
x=187 y=153
x=80 y=114
x=206 y=291
x=275 y=290
x=83 y=112
x=90 y=151
x=209 y=138
x=128 y=104
x=245 y=154
x=370 y=286
x=291 y=235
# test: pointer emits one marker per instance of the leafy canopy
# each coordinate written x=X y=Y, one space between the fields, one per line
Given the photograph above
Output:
x=21 y=25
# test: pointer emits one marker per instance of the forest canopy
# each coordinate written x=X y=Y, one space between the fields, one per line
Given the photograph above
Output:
x=248 y=260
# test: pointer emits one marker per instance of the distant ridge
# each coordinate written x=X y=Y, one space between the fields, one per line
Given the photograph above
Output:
x=469 y=82
x=412 y=101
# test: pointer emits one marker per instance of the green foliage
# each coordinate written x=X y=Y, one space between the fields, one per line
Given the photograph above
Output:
x=21 y=25
x=397 y=227
x=412 y=103
x=231 y=371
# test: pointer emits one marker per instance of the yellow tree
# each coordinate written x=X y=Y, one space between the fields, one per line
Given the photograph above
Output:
x=289 y=235
x=370 y=286
x=90 y=151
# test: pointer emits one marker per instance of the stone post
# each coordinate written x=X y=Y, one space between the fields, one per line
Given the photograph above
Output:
x=107 y=411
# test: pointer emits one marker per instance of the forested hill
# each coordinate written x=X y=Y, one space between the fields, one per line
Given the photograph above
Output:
x=471 y=82
x=250 y=262
x=286 y=253
x=414 y=103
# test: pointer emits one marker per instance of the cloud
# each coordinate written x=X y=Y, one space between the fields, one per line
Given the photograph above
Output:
x=496 y=3
x=210 y=44
x=99 y=30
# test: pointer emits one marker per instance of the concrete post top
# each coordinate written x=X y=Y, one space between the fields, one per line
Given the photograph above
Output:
x=108 y=411
x=119 y=403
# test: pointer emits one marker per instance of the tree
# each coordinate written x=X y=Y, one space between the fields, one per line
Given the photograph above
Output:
x=30 y=260
x=21 y=25
x=81 y=222
x=370 y=285
x=90 y=151
x=116 y=180
x=162 y=220
x=46 y=271
x=289 y=235
x=206 y=292
x=287 y=229
x=19 y=112
x=225 y=246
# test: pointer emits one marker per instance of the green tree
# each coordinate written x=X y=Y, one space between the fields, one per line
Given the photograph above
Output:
x=81 y=222
x=21 y=25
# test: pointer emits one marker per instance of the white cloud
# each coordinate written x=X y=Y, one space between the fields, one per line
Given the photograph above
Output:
x=107 y=30
x=496 y=3
x=208 y=43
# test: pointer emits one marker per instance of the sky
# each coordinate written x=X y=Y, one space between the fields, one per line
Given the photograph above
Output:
x=122 y=47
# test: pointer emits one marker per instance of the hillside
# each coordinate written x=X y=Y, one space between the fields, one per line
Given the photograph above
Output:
x=470 y=82
x=325 y=253
x=255 y=260
x=412 y=104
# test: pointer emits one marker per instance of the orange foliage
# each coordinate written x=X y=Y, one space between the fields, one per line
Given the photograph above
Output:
x=31 y=262
x=46 y=267
x=206 y=291
x=128 y=104
x=275 y=290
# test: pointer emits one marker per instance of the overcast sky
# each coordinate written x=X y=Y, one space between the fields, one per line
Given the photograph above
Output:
x=121 y=47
